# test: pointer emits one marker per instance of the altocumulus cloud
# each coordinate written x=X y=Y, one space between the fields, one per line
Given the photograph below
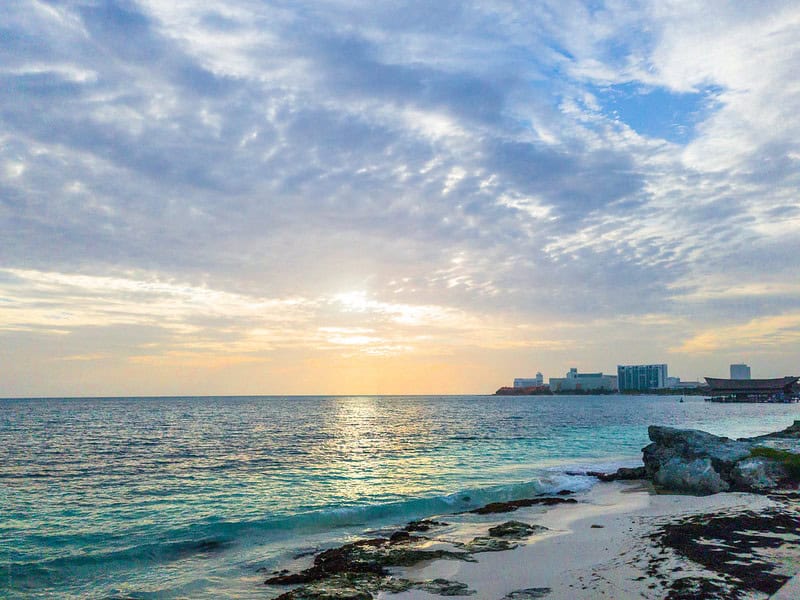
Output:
x=221 y=177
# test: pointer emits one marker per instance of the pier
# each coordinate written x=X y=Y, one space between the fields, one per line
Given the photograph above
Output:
x=782 y=390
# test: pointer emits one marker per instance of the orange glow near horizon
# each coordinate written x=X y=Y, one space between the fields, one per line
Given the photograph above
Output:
x=127 y=335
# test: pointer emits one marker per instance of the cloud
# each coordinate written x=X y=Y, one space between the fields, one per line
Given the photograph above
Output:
x=469 y=165
x=767 y=333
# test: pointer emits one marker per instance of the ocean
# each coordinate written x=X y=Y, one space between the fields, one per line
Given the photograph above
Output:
x=190 y=497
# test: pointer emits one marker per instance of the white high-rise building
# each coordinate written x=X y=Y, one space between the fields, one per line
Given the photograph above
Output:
x=642 y=377
x=740 y=371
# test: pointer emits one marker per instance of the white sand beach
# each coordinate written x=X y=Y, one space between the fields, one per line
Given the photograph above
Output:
x=598 y=548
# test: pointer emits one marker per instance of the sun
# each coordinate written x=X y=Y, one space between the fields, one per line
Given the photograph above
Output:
x=356 y=301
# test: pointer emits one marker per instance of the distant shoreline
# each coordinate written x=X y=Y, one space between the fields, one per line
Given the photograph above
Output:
x=510 y=391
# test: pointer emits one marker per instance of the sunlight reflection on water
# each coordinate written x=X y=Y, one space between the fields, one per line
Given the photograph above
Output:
x=126 y=479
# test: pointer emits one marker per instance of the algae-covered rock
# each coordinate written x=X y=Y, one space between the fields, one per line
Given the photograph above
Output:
x=621 y=474
x=444 y=587
x=515 y=529
x=758 y=474
x=512 y=505
x=489 y=544
x=400 y=537
x=528 y=594
x=350 y=586
x=363 y=557
x=337 y=587
x=423 y=525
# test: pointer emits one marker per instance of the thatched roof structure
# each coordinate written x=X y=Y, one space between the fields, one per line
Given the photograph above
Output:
x=780 y=385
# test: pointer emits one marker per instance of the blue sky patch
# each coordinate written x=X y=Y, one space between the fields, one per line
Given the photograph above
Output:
x=657 y=112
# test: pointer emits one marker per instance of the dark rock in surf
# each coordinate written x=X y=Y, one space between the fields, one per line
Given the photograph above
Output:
x=370 y=556
x=621 y=474
x=423 y=525
x=512 y=505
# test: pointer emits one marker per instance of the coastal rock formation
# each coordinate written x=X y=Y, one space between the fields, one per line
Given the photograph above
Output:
x=758 y=473
x=488 y=544
x=359 y=586
x=688 y=445
x=423 y=525
x=501 y=536
x=791 y=432
x=362 y=557
x=694 y=476
x=528 y=594
x=621 y=474
x=360 y=570
x=697 y=462
x=515 y=529
x=512 y=505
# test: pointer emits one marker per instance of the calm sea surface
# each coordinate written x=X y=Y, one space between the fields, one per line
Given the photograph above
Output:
x=188 y=497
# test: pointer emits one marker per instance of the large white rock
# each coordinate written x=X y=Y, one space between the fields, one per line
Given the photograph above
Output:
x=695 y=476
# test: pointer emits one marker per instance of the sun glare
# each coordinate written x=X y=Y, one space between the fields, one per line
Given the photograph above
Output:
x=353 y=301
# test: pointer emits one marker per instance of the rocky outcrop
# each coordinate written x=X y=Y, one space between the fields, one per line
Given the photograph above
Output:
x=693 y=475
x=791 y=432
x=360 y=586
x=687 y=445
x=512 y=505
x=371 y=556
x=528 y=594
x=515 y=529
x=697 y=462
x=423 y=525
x=621 y=474
x=759 y=474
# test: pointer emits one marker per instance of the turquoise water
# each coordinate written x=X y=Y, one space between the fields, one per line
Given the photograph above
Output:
x=188 y=497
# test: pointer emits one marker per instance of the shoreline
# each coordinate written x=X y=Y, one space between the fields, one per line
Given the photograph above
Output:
x=610 y=543
x=601 y=546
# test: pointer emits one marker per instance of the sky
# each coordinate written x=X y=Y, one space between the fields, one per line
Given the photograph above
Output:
x=343 y=197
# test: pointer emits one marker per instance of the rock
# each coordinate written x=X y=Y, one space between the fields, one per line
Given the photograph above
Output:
x=793 y=431
x=696 y=461
x=349 y=586
x=370 y=557
x=339 y=587
x=528 y=594
x=423 y=525
x=489 y=544
x=515 y=529
x=622 y=474
x=399 y=536
x=758 y=474
x=689 y=444
x=444 y=587
x=512 y=505
x=686 y=460
x=694 y=476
